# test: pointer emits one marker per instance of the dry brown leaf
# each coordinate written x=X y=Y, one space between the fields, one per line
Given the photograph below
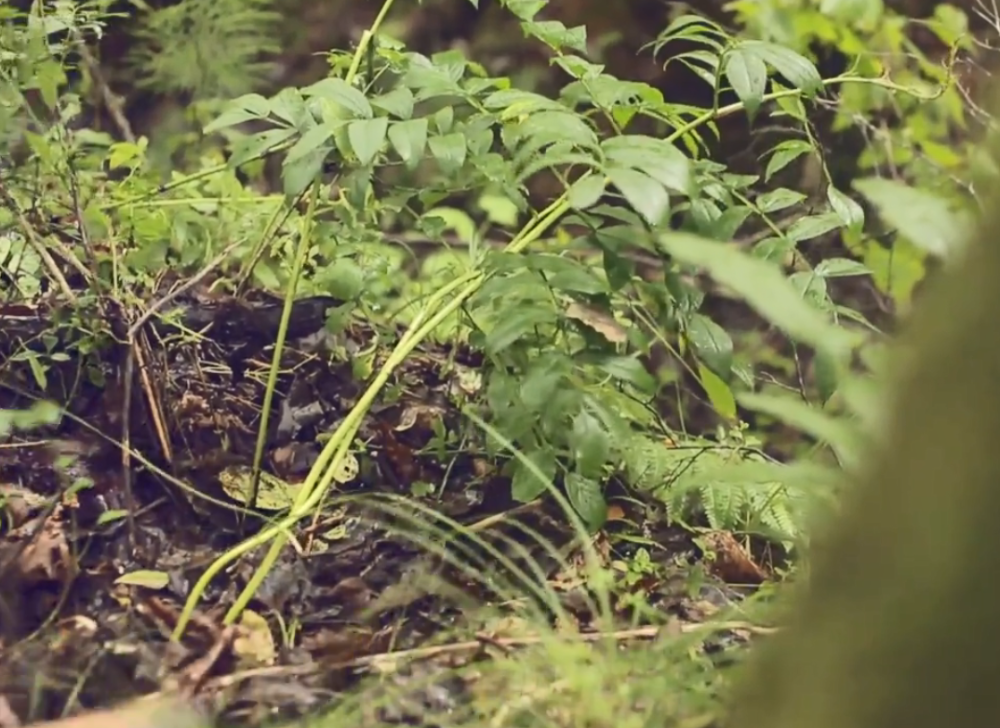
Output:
x=597 y=320
x=732 y=563
x=47 y=556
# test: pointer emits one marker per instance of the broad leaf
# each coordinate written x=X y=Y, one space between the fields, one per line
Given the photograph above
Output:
x=712 y=344
x=806 y=228
x=255 y=146
x=586 y=191
x=660 y=159
x=299 y=174
x=586 y=497
x=556 y=35
x=840 y=268
x=591 y=444
x=784 y=154
x=526 y=485
x=800 y=71
x=631 y=370
x=748 y=75
x=409 y=139
x=849 y=211
x=398 y=102
x=308 y=143
x=926 y=220
x=779 y=199
x=837 y=432
x=763 y=286
x=646 y=196
x=367 y=137
x=449 y=151
x=517 y=322
x=343 y=94
x=720 y=394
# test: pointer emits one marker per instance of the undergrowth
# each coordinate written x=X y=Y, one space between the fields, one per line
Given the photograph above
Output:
x=392 y=144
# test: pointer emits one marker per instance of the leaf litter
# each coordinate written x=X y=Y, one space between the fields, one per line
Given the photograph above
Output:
x=420 y=577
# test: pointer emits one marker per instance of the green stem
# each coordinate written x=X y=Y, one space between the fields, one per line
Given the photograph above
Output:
x=305 y=237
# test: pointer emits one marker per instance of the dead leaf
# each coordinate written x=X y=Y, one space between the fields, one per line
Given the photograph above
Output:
x=599 y=321
x=47 y=555
x=255 y=644
x=731 y=562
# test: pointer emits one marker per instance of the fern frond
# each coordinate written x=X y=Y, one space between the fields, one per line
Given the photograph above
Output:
x=207 y=48
x=732 y=487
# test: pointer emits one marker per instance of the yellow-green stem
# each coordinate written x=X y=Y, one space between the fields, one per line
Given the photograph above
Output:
x=302 y=250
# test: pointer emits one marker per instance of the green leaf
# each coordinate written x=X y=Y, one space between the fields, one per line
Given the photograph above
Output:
x=556 y=35
x=409 y=139
x=230 y=117
x=301 y=173
x=811 y=288
x=433 y=82
x=806 y=228
x=838 y=433
x=540 y=382
x=525 y=485
x=254 y=104
x=897 y=270
x=784 y=154
x=747 y=74
x=849 y=211
x=591 y=444
x=144 y=578
x=449 y=151
x=398 y=102
x=514 y=103
x=343 y=279
x=579 y=68
x=549 y=127
x=444 y=119
x=341 y=93
x=631 y=370
x=762 y=286
x=499 y=209
x=775 y=250
x=48 y=77
x=290 y=107
x=827 y=372
x=658 y=158
x=122 y=154
x=356 y=186
x=308 y=143
x=525 y=9
x=724 y=226
x=778 y=199
x=367 y=137
x=456 y=220
x=924 y=219
x=853 y=12
x=566 y=274
x=245 y=108
x=518 y=321
x=586 y=497
x=840 y=268
x=797 y=69
x=255 y=146
x=586 y=191
x=553 y=157
x=720 y=394
x=646 y=196
x=712 y=344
